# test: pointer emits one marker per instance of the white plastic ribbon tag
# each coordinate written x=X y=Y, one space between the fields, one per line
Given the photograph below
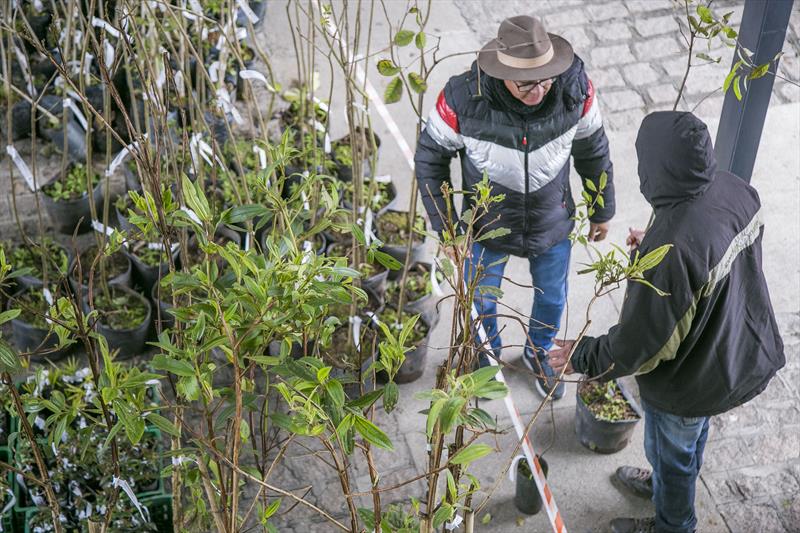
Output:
x=368 y=235
x=100 y=23
x=192 y=215
x=386 y=178
x=179 y=85
x=108 y=54
x=450 y=526
x=262 y=156
x=512 y=470
x=120 y=157
x=245 y=7
x=99 y=227
x=355 y=322
x=328 y=146
x=69 y=104
x=21 y=166
x=256 y=75
x=121 y=483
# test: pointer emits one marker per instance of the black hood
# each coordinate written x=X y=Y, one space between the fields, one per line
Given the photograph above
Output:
x=676 y=157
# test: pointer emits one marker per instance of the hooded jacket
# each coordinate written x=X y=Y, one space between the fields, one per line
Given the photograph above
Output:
x=713 y=342
x=477 y=119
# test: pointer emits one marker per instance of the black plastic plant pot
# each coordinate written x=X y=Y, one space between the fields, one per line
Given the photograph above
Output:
x=34 y=282
x=124 y=279
x=132 y=182
x=39 y=342
x=414 y=365
x=162 y=319
x=146 y=275
x=526 y=496
x=73 y=134
x=66 y=215
x=130 y=340
x=603 y=436
x=20 y=121
x=376 y=283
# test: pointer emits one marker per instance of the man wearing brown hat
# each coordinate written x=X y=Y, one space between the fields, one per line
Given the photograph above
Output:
x=517 y=115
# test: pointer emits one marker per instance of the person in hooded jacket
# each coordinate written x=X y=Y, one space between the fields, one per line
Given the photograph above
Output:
x=708 y=346
x=517 y=115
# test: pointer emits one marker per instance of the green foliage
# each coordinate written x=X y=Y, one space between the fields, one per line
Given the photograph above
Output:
x=119 y=309
x=606 y=402
x=27 y=259
x=394 y=91
x=71 y=185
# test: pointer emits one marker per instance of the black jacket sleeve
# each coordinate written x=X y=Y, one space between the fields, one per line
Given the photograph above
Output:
x=432 y=169
x=591 y=154
x=650 y=329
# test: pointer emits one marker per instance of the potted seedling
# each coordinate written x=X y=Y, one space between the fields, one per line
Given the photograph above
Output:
x=123 y=318
x=395 y=232
x=115 y=269
x=418 y=290
x=373 y=273
x=30 y=257
x=378 y=195
x=605 y=416
x=68 y=197
x=526 y=496
x=30 y=330
x=343 y=154
x=150 y=262
x=414 y=364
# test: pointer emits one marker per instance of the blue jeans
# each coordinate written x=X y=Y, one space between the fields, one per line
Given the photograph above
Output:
x=674 y=447
x=549 y=275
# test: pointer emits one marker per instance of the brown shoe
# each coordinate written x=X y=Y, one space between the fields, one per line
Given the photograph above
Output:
x=635 y=480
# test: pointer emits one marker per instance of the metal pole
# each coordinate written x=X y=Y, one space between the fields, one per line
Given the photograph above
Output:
x=763 y=32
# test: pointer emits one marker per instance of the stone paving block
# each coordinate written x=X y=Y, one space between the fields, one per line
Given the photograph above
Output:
x=578 y=39
x=612 y=31
x=662 y=94
x=789 y=66
x=743 y=420
x=608 y=10
x=775 y=447
x=724 y=454
x=752 y=517
x=788 y=507
x=611 y=55
x=791 y=93
x=750 y=484
x=624 y=120
x=636 y=6
x=559 y=19
x=606 y=78
x=647 y=27
x=656 y=48
x=639 y=74
x=620 y=100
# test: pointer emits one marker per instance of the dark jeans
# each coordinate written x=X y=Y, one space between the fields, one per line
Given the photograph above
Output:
x=549 y=274
x=674 y=447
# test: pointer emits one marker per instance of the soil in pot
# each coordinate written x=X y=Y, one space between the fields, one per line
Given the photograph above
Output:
x=394 y=231
x=68 y=200
x=526 y=496
x=116 y=268
x=419 y=291
x=151 y=263
x=605 y=416
x=31 y=256
x=378 y=195
x=123 y=319
x=30 y=330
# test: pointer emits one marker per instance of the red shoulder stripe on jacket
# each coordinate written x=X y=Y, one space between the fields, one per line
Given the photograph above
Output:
x=587 y=105
x=446 y=112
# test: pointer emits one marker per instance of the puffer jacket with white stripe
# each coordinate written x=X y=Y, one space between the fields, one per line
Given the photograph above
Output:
x=478 y=119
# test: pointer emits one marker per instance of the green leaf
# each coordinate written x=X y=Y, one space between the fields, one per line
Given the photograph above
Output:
x=195 y=199
x=589 y=184
x=390 y=396
x=174 y=366
x=394 y=91
x=336 y=392
x=372 y=433
x=419 y=40
x=271 y=509
x=387 y=68
x=471 y=453
x=452 y=408
x=729 y=78
x=368 y=517
x=365 y=401
x=451 y=485
x=488 y=289
x=433 y=416
x=243 y=213
x=443 y=514
x=486 y=518
x=484 y=375
x=11 y=314
x=493 y=234
x=417 y=83
x=653 y=258
x=494 y=390
x=403 y=37
x=756 y=73
x=163 y=424
x=323 y=373
x=705 y=14
x=387 y=260
x=736 y=89
x=9 y=359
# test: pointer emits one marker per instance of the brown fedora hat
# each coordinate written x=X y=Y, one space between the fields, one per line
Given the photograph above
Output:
x=523 y=50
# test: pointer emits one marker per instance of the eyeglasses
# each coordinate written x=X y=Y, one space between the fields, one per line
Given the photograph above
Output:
x=524 y=87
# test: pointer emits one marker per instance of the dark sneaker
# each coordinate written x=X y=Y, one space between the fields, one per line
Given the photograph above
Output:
x=544 y=384
x=633 y=525
x=638 y=481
